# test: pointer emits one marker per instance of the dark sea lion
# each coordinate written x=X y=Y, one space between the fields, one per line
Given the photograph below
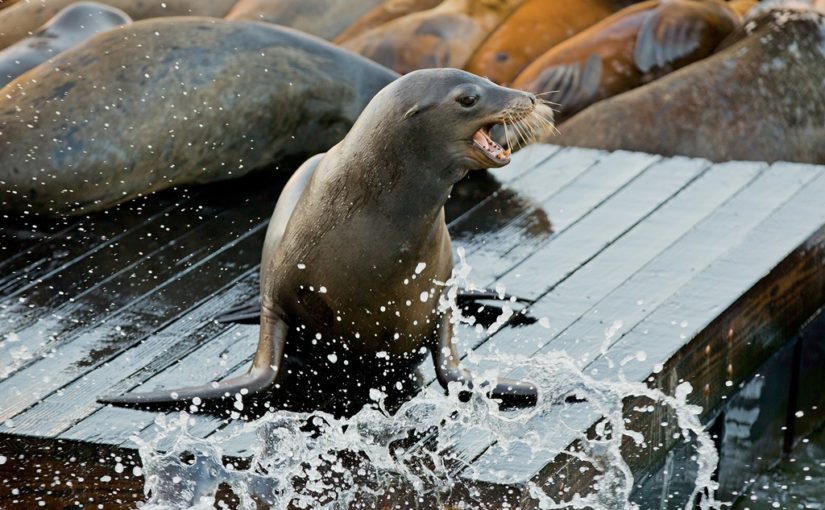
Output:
x=759 y=99
x=444 y=36
x=323 y=18
x=69 y=27
x=172 y=101
x=358 y=242
x=382 y=13
x=533 y=28
x=23 y=19
x=630 y=48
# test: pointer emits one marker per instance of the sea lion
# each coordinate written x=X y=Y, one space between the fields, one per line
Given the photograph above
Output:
x=382 y=13
x=69 y=27
x=759 y=99
x=444 y=36
x=634 y=46
x=168 y=101
x=358 y=242
x=322 y=18
x=22 y=19
x=533 y=28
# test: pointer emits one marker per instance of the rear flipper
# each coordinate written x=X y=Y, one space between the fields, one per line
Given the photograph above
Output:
x=250 y=311
x=263 y=378
x=245 y=313
x=511 y=394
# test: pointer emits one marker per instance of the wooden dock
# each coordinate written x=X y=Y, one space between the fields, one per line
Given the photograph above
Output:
x=710 y=269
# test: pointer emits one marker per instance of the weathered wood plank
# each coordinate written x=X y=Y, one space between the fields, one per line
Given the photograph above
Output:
x=745 y=334
x=36 y=271
x=597 y=230
x=43 y=473
x=129 y=325
x=210 y=361
x=590 y=179
x=608 y=272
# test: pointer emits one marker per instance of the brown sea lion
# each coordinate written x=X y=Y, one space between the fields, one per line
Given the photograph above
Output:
x=382 y=13
x=323 y=18
x=69 y=27
x=24 y=18
x=533 y=28
x=358 y=242
x=759 y=99
x=632 y=47
x=444 y=36
x=171 y=101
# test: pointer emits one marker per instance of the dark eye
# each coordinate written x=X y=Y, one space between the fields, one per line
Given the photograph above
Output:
x=467 y=101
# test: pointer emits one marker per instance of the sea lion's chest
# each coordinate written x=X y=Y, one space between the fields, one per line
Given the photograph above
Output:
x=369 y=291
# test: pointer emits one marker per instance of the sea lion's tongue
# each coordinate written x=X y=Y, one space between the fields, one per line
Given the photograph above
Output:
x=483 y=140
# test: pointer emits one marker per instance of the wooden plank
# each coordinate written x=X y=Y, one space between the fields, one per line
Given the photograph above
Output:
x=127 y=326
x=606 y=274
x=523 y=162
x=210 y=361
x=597 y=230
x=520 y=195
x=701 y=245
x=560 y=206
x=83 y=314
x=50 y=474
x=82 y=241
x=707 y=361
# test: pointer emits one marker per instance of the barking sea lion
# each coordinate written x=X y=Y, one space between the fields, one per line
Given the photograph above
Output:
x=358 y=242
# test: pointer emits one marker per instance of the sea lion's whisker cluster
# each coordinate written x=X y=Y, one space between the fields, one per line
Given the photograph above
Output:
x=528 y=128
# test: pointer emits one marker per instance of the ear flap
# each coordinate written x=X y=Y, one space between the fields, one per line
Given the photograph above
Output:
x=412 y=111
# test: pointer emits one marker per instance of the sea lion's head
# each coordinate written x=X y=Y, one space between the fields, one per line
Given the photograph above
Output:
x=444 y=117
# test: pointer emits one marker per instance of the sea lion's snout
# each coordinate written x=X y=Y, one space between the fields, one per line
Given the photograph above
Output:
x=507 y=108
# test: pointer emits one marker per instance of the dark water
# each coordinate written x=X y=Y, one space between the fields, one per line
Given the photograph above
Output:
x=796 y=483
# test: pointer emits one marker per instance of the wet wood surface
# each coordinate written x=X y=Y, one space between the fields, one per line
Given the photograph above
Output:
x=706 y=269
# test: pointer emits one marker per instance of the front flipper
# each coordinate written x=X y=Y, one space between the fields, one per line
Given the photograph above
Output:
x=262 y=378
x=574 y=85
x=680 y=32
x=509 y=392
x=250 y=311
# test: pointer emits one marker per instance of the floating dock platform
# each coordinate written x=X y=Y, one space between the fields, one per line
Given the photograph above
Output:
x=709 y=269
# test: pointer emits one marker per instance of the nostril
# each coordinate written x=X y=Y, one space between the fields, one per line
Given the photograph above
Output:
x=532 y=99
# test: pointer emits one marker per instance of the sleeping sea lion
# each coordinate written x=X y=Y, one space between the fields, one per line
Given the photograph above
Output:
x=172 y=101
x=388 y=10
x=358 y=242
x=759 y=99
x=23 y=19
x=533 y=28
x=634 y=46
x=322 y=18
x=69 y=27
x=444 y=36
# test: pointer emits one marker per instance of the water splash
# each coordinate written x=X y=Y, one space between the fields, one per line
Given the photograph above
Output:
x=413 y=457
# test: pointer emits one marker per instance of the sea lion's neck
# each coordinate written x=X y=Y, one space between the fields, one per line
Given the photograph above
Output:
x=405 y=181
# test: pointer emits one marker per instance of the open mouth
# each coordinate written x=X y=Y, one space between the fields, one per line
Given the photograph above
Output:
x=494 y=151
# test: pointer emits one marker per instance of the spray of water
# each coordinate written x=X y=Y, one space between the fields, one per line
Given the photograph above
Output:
x=409 y=459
